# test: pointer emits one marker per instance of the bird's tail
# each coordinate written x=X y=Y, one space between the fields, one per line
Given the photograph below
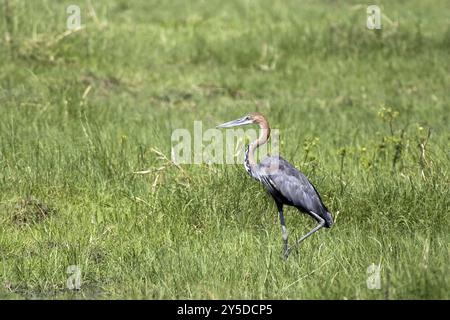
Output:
x=328 y=219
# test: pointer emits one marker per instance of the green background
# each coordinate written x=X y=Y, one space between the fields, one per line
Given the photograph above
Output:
x=82 y=111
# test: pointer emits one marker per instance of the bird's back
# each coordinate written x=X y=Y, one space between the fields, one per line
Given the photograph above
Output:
x=291 y=187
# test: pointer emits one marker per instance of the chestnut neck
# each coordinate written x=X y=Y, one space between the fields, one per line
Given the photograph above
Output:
x=264 y=135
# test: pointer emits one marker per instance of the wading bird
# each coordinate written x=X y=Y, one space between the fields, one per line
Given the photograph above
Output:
x=286 y=184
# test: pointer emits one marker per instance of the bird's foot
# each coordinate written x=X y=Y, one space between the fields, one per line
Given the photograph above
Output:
x=286 y=252
x=289 y=250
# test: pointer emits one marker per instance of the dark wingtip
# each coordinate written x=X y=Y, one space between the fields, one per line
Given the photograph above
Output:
x=328 y=220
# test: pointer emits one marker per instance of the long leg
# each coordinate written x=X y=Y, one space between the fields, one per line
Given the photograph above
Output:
x=315 y=229
x=284 y=233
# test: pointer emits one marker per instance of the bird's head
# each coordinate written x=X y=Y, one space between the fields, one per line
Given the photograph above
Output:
x=248 y=119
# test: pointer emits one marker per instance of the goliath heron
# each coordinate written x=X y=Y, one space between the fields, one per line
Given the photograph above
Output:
x=286 y=184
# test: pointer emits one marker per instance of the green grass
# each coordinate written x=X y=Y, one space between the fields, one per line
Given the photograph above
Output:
x=80 y=115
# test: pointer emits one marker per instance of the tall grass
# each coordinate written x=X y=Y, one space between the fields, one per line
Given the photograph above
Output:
x=364 y=114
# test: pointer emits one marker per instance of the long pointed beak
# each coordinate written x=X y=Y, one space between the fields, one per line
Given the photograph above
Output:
x=234 y=123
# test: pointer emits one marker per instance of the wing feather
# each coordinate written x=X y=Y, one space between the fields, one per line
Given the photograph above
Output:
x=288 y=185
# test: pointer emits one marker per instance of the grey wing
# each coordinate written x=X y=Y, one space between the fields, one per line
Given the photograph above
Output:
x=288 y=185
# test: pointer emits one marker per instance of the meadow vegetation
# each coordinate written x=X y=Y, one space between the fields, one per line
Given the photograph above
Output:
x=363 y=113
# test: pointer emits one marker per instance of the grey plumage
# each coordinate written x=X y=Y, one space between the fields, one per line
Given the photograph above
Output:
x=289 y=186
x=286 y=184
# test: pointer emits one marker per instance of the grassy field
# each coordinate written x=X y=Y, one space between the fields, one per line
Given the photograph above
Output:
x=363 y=113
